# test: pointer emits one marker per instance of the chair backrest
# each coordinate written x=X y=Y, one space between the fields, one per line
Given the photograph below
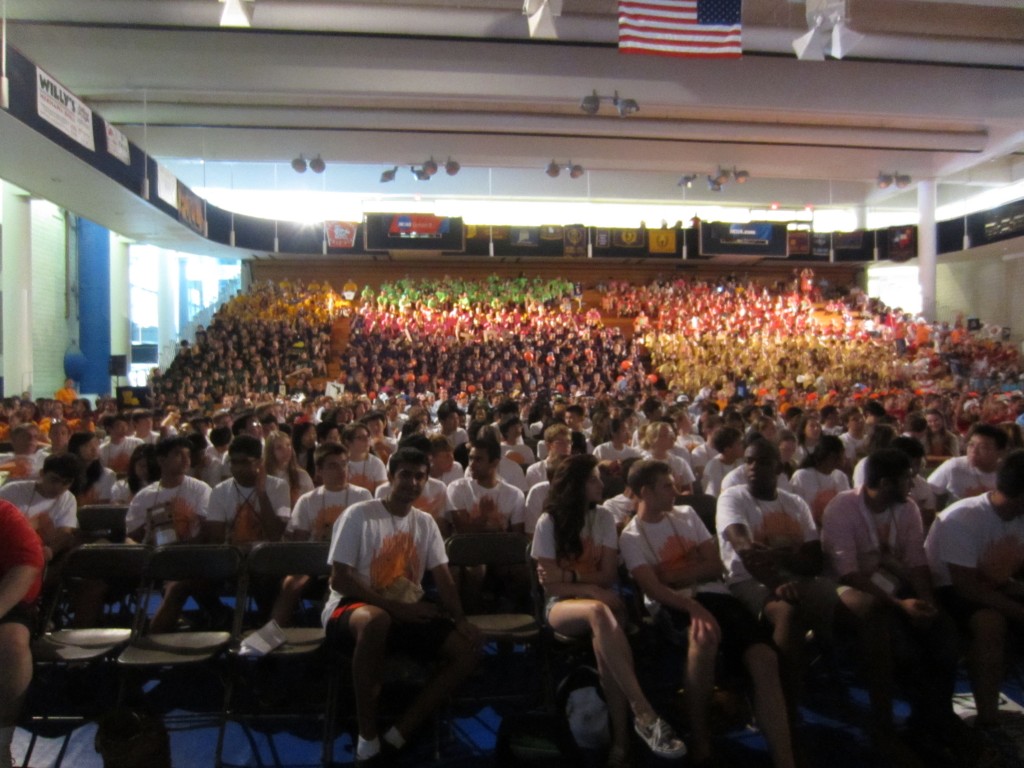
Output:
x=216 y=562
x=107 y=562
x=703 y=505
x=469 y=549
x=102 y=521
x=283 y=558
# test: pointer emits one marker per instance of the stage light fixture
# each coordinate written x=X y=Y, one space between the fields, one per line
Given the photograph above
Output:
x=317 y=165
x=299 y=164
x=843 y=40
x=430 y=167
x=626 y=107
x=714 y=185
x=421 y=174
x=553 y=169
x=575 y=171
x=902 y=180
x=827 y=32
x=452 y=167
x=884 y=180
x=722 y=177
x=687 y=180
x=388 y=175
x=740 y=177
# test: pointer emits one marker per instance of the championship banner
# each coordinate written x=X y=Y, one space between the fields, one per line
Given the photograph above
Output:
x=902 y=242
x=419 y=225
x=191 y=209
x=525 y=237
x=628 y=238
x=117 y=144
x=63 y=110
x=602 y=238
x=340 y=234
x=798 y=243
x=550 y=232
x=499 y=233
x=821 y=244
x=662 y=241
x=574 y=242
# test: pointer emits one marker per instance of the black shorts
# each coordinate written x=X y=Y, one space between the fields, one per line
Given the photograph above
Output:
x=740 y=629
x=420 y=641
x=960 y=608
x=21 y=614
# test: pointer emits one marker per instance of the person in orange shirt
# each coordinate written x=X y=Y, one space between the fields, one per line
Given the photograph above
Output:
x=66 y=394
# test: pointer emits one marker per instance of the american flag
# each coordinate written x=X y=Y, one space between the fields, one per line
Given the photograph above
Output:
x=696 y=28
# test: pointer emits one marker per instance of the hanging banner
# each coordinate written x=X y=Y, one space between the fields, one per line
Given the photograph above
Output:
x=662 y=241
x=821 y=244
x=551 y=232
x=602 y=238
x=341 y=234
x=525 y=237
x=628 y=238
x=166 y=186
x=191 y=209
x=574 y=242
x=63 y=110
x=798 y=243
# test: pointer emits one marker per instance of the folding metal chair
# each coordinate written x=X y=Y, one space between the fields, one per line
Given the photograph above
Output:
x=102 y=522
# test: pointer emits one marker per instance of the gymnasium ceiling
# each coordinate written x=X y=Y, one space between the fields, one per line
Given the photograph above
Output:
x=935 y=90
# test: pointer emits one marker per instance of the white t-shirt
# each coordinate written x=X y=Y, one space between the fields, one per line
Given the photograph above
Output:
x=316 y=511
x=669 y=543
x=969 y=533
x=478 y=501
x=608 y=452
x=367 y=473
x=622 y=507
x=433 y=500
x=738 y=476
x=537 y=473
x=817 y=488
x=238 y=507
x=382 y=548
x=854 y=447
x=598 y=532
x=100 y=492
x=452 y=474
x=535 y=505
x=304 y=484
x=783 y=521
x=680 y=469
x=920 y=491
x=715 y=472
x=521 y=454
x=701 y=454
x=187 y=504
x=117 y=457
x=960 y=480
x=60 y=512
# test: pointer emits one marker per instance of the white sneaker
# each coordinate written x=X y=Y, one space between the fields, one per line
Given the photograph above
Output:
x=660 y=738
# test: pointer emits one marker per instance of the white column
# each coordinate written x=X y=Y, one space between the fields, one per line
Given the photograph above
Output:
x=17 y=288
x=927 y=246
x=120 y=317
x=167 y=309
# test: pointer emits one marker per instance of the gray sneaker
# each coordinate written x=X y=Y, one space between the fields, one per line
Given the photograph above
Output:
x=660 y=738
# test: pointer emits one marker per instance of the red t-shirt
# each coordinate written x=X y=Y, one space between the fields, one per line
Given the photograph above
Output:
x=19 y=545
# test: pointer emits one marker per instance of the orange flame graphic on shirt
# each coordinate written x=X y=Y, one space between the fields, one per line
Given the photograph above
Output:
x=397 y=557
x=248 y=527
x=778 y=530
x=185 y=518
x=675 y=552
x=324 y=522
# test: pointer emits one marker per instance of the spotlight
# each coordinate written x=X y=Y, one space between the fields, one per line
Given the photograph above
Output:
x=714 y=185
x=237 y=13
x=626 y=107
x=722 y=177
x=387 y=176
x=553 y=169
x=430 y=167
x=687 y=180
x=740 y=177
x=575 y=171
x=902 y=180
x=299 y=164
x=317 y=165
x=885 y=180
x=421 y=174
x=452 y=167
x=810 y=46
x=590 y=104
x=843 y=40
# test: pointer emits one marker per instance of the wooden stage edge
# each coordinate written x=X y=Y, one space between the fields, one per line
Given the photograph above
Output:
x=589 y=272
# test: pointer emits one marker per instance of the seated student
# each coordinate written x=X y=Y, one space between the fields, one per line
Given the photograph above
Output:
x=116 y=452
x=659 y=437
x=973 y=474
x=95 y=483
x=484 y=501
x=855 y=438
x=618 y=447
x=772 y=556
x=675 y=562
x=168 y=511
x=443 y=465
x=512 y=445
x=558 y=442
x=380 y=550
x=142 y=471
x=315 y=513
x=975 y=548
x=920 y=492
x=819 y=478
x=434 y=499
x=364 y=469
x=874 y=544
x=21 y=575
x=250 y=506
x=576 y=552
x=381 y=443
x=728 y=442
x=47 y=503
x=279 y=461
x=25 y=458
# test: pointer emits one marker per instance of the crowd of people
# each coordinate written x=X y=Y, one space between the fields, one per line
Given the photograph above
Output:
x=883 y=513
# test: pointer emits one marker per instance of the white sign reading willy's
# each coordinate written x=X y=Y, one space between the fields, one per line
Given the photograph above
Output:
x=63 y=110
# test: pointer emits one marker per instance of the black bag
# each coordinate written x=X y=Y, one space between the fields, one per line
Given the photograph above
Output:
x=130 y=739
